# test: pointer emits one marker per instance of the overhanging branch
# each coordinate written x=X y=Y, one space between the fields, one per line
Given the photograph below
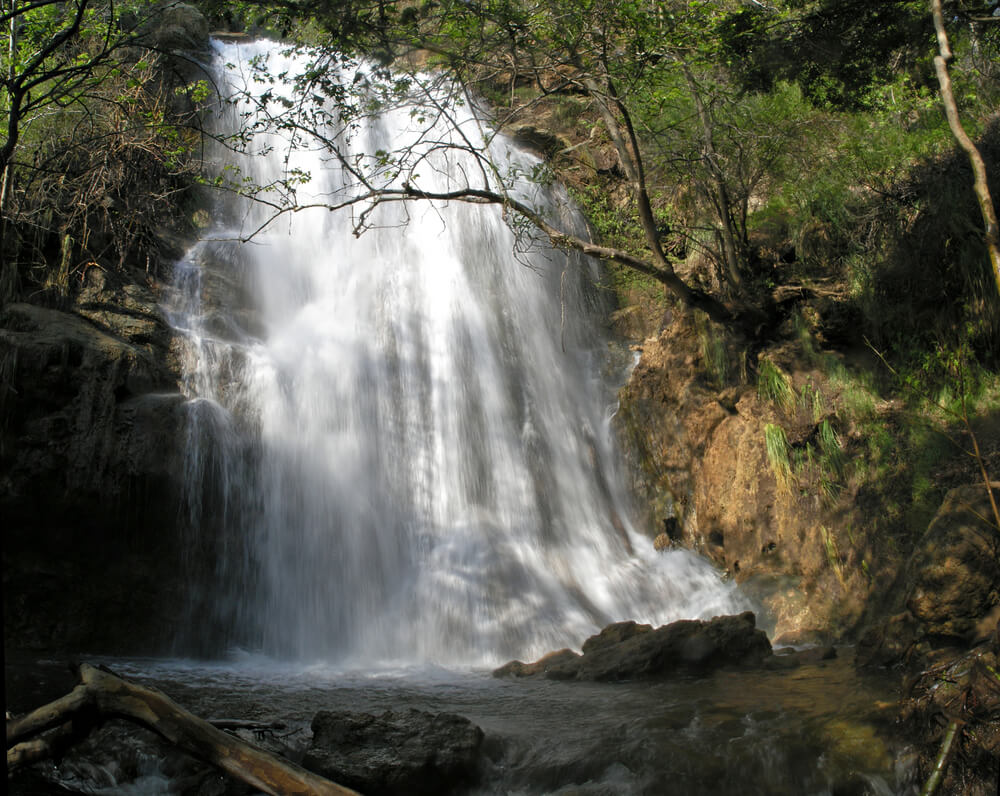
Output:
x=980 y=184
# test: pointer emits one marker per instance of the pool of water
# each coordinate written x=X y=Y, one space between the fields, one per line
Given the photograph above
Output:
x=818 y=729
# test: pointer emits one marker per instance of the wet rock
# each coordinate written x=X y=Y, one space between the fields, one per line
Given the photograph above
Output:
x=662 y=542
x=614 y=634
x=174 y=26
x=544 y=142
x=630 y=651
x=810 y=637
x=410 y=752
x=559 y=661
x=89 y=456
x=791 y=658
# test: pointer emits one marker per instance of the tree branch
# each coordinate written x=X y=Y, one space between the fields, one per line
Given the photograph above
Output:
x=980 y=184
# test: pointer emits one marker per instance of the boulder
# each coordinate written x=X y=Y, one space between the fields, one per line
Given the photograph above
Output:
x=949 y=593
x=956 y=568
x=537 y=139
x=630 y=651
x=411 y=752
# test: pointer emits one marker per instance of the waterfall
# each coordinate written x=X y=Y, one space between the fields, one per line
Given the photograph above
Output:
x=399 y=444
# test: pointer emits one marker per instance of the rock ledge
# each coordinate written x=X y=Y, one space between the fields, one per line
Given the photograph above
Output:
x=630 y=651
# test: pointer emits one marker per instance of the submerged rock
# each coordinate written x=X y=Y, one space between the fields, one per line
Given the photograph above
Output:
x=630 y=651
x=411 y=752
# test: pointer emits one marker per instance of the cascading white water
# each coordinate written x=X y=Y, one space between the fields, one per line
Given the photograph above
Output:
x=398 y=442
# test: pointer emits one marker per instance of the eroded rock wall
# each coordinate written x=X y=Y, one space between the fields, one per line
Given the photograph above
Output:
x=90 y=408
x=91 y=420
x=701 y=473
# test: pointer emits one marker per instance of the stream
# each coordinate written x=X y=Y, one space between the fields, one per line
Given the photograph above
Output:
x=821 y=729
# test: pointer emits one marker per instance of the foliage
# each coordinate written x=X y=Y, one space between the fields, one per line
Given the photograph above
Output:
x=94 y=157
x=836 y=50
x=727 y=120
x=648 y=77
x=932 y=284
x=773 y=384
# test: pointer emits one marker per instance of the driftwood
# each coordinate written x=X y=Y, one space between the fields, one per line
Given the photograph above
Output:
x=102 y=695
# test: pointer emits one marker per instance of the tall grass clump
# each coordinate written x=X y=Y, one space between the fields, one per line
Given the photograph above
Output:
x=714 y=355
x=773 y=385
x=776 y=445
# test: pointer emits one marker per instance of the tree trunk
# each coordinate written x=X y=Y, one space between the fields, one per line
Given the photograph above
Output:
x=731 y=251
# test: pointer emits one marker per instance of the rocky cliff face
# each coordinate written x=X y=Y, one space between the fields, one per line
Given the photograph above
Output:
x=91 y=418
x=831 y=545
x=948 y=597
x=90 y=409
x=701 y=472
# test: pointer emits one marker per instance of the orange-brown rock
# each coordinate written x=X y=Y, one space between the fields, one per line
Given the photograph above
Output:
x=700 y=468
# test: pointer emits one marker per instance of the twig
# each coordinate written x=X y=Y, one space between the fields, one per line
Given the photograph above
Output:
x=941 y=763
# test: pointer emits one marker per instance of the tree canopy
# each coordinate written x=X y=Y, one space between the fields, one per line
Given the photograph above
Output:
x=718 y=118
x=93 y=145
x=722 y=100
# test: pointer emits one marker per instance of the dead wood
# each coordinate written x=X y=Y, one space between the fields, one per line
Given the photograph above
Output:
x=102 y=695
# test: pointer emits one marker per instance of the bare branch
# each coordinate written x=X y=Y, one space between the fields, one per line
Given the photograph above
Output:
x=980 y=184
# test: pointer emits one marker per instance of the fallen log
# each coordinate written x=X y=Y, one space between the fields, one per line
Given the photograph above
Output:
x=38 y=749
x=102 y=695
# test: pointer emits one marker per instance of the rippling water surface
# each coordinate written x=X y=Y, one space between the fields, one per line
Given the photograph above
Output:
x=819 y=729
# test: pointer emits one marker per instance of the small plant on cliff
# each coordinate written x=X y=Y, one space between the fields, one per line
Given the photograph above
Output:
x=776 y=444
x=773 y=385
x=832 y=453
x=713 y=352
x=833 y=554
x=812 y=401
